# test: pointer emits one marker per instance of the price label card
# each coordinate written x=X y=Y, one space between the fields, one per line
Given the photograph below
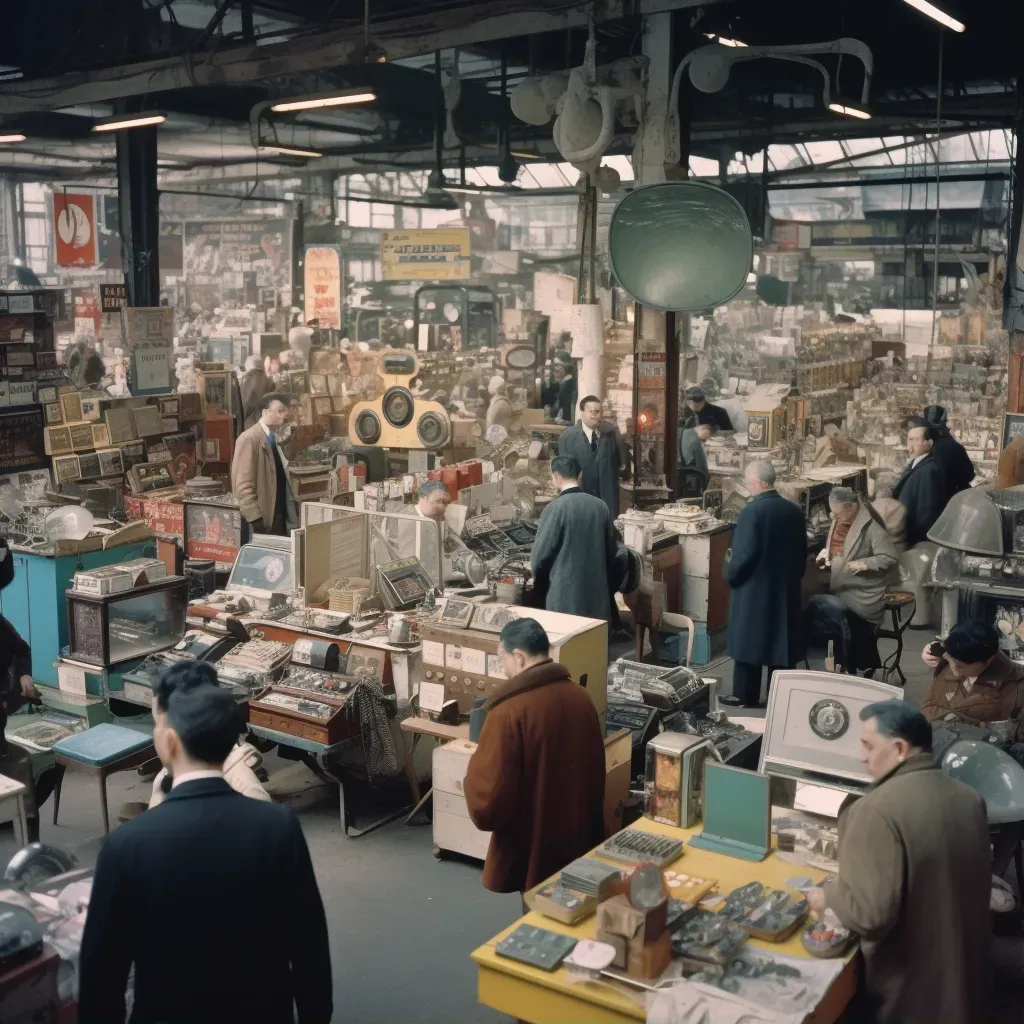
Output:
x=453 y=655
x=433 y=653
x=432 y=697
x=474 y=661
x=494 y=669
x=71 y=679
x=302 y=652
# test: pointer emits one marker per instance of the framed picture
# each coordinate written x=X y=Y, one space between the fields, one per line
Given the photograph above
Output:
x=89 y=465
x=169 y=407
x=322 y=406
x=71 y=403
x=190 y=406
x=53 y=413
x=120 y=425
x=147 y=421
x=100 y=436
x=492 y=618
x=148 y=476
x=211 y=450
x=111 y=462
x=91 y=409
x=457 y=613
x=217 y=392
x=81 y=436
x=66 y=469
x=298 y=382
x=1013 y=426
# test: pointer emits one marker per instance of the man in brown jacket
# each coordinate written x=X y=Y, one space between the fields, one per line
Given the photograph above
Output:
x=914 y=879
x=536 y=780
x=973 y=681
x=259 y=477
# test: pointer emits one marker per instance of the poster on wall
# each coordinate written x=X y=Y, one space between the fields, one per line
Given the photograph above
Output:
x=225 y=258
x=425 y=254
x=321 y=271
x=21 y=441
x=74 y=229
x=148 y=337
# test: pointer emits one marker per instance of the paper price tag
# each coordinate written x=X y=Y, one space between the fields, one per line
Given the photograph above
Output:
x=71 y=679
x=453 y=656
x=433 y=653
x=432 y=697
x=302 y=652
x=474 y=661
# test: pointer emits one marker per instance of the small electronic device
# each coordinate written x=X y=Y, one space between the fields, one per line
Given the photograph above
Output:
x=591 y=877
x=635 y=846
x=561 y=903
x=642 y=722
x=537 y=947
x=257 y=655
x=674 y=782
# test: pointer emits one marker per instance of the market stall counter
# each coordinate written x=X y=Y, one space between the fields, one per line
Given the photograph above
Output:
x=561 y=997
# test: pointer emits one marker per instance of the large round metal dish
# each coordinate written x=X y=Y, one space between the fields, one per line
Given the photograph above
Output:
x=680 y=245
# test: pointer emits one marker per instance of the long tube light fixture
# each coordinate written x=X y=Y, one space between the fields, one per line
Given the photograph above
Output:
x=349 y=98
x=933 y=12
x=116 y=124
x=14 y=137
x=723 y=41
x=290 y=150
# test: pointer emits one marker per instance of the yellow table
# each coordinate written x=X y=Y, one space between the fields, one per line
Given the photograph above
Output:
x=543 y=997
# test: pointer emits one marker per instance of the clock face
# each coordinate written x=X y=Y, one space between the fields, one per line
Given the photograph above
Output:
x=829 y=719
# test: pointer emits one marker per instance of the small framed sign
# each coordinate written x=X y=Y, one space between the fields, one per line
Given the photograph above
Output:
x=1013 y=426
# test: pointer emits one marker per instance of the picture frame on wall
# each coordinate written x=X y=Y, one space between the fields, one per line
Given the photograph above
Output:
x=66 y=469
x=1013 y=426
x=217 y=392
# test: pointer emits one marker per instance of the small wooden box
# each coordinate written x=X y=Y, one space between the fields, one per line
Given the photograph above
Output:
x=278 y=708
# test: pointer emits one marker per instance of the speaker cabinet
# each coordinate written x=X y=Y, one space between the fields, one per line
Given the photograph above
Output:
x=398 y=419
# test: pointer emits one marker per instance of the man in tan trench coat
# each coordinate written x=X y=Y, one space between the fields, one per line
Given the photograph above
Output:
x=914 y=879
x=259 y=477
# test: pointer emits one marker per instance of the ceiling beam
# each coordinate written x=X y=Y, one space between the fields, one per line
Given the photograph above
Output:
x=242 y=65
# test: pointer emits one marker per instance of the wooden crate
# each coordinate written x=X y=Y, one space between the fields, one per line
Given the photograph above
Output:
x=342 y=724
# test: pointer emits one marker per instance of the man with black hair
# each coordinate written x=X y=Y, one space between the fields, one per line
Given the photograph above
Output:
x=536 y=780
x=574 y=551
x=922 y=489
x=181 y=891
x=597 y=447
x=259 y=470
x=948 y=451
x=914 y=878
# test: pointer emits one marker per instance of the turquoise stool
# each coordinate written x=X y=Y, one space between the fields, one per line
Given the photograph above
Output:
x=101 y=751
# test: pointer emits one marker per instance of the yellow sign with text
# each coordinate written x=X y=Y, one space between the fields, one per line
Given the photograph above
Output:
x=425 y=254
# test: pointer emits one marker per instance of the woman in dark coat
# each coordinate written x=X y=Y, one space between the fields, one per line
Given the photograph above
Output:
x=765 y=570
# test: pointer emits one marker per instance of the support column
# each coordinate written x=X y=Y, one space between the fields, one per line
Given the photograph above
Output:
x=1013 y=289
x=138 y=203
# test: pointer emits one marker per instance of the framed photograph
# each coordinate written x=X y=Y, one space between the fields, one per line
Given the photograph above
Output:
x=1013 y=426
x=169 y=407
x=318 y=384
x=89 y=465
x=66 y=469
x=190 y=406
x=53 y=413
x=211 y=450
x=111 y=462
x=71 y=403
x=132 y=453
x=457 y=613
x=217 y=392
x=150 y=476
x=298 y=382
x=100 y=436
x=492 y=618
x=147 y=421
x=81 y=436
x=120 y=425
x=91 y=409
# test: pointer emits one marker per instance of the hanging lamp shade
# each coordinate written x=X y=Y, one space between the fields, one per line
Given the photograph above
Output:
x=992 y=773
x=680 y=245
x=970 y=522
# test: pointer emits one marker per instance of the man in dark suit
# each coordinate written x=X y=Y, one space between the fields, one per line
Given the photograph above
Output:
x=597 y=447
x=948 y=451
x=923 y=489
x=574 y=550
x=765 y=570
x=184 y=891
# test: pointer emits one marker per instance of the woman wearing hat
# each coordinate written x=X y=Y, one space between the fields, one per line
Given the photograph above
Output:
x=973 y=681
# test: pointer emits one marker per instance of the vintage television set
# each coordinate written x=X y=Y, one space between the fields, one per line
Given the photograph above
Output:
x=812 y=728
x=1001 y=604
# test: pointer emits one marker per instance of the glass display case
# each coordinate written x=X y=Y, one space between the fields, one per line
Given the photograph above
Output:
x=107 y=629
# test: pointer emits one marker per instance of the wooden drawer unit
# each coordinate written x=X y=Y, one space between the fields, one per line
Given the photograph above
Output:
x=453 y=828
x=294 y=711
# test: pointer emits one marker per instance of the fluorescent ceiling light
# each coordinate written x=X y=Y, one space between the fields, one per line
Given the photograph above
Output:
x=722 y=41
x=849 y=109
x=940 y=16
x=291 y=151
x=339 y=99
x=116 y=124
x=16 y=137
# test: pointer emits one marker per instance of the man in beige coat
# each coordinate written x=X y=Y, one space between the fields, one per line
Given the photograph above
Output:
x=259 y=471
x=914 y=879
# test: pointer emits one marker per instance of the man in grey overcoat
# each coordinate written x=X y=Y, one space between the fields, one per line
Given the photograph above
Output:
x=597 y=447
x=574 y=549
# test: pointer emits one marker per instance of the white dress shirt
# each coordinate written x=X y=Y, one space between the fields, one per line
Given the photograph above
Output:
x=209 y=773
x=590 y=435
x=913 y=464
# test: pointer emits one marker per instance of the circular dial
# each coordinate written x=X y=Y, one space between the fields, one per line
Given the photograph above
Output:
x=399 y=406
x=432 y=430
x=829 y=719
x=368 y=427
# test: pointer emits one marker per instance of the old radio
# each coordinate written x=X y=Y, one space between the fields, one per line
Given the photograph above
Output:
x=398 y=419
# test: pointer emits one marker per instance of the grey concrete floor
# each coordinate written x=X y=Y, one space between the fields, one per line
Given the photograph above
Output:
x=402 y=924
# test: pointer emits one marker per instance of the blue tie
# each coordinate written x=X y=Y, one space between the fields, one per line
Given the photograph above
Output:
x=272 y=439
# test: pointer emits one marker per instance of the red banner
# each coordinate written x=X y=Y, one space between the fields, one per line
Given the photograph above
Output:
x=74 y=229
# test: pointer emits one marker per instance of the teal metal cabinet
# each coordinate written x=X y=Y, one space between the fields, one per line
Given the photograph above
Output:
x=36 y=605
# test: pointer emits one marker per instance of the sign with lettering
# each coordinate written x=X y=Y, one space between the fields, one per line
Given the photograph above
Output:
x=321 y=272
x=113 y=297
x=425 y=254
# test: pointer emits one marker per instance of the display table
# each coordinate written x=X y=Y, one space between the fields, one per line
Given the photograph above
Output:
x=543 y=997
